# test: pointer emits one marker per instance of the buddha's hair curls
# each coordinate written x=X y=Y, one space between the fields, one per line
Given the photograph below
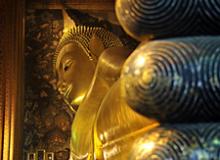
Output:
x=82 y=36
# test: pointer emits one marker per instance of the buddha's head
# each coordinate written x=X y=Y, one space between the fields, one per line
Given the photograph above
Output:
x=76 y=58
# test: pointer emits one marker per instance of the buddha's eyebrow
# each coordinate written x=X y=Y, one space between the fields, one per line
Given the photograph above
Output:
x=68 y=55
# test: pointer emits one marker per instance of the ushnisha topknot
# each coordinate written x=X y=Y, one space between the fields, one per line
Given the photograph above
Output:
x=82 y=35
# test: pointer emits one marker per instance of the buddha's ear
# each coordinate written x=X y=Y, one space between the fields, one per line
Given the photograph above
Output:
x=96 y=45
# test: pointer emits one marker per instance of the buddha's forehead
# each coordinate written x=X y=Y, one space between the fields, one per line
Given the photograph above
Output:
x=68 y=49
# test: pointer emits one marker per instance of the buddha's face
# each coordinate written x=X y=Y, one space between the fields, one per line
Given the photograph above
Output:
x=75 y=71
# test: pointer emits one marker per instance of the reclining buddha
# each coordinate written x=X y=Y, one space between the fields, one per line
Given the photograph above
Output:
x=84 y=80
x=160 y=102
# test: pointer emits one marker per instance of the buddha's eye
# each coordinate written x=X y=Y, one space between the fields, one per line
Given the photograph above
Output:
x=67 y=64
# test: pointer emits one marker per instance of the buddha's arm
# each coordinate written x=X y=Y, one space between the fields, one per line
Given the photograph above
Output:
x=117 y=125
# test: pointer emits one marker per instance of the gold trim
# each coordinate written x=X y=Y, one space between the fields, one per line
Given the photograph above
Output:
x=29 y=154
x=51 y=154
x=44 y=154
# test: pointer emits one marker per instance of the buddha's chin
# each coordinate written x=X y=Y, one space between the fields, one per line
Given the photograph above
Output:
x=77 y=100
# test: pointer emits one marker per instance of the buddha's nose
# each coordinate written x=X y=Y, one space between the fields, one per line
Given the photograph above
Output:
x=59 y=83
x=62 y=86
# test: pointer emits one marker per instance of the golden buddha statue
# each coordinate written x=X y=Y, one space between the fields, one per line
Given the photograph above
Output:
x=115 y=118
x=88 y=61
